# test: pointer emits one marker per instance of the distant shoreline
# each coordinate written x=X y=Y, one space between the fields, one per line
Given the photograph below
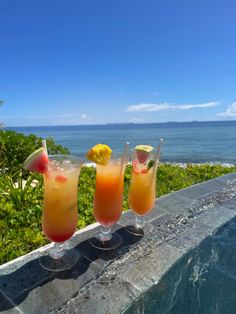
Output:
x=124 y=123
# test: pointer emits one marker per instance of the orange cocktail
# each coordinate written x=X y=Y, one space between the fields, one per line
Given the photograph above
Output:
x=60 y=210
x=142 y=191
x=108 y=201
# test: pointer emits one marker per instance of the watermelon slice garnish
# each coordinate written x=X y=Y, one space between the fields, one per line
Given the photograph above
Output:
x=144 y=168
x=135 y=167
x=37 y=161
x=61 y=178
x=142 y=152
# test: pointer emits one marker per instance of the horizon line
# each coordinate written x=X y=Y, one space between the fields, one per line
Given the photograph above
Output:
x=115 y=123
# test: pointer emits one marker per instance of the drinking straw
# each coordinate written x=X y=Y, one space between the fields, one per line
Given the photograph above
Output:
x=126 y=150
x=44 y=144
x=125 y=154
x=158 y=153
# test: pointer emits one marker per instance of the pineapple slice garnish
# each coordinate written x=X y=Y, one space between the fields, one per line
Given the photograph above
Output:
x=100 y=154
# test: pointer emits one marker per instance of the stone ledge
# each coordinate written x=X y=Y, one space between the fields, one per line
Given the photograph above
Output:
x=103 y=282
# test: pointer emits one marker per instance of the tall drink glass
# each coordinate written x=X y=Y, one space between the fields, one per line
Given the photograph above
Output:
x=142 y=191
x=108 y=202
x=60 y=211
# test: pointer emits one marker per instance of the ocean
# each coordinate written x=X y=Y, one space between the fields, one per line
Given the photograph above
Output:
x=185 y=142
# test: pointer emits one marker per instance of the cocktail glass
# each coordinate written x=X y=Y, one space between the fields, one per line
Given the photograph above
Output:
x=142 y=192
x=108 y=202
x=60 y=211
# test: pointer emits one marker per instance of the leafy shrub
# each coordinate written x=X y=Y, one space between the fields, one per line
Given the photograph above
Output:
x=20 y=214
x=16 y=147
x=173 y=177
x=85 y=196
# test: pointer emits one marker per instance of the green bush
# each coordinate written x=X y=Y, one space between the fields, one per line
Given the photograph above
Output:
x=16 y=147
x=20 y=214
x=85 y=197
x=173 y=177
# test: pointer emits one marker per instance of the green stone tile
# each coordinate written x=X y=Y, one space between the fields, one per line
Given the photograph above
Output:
x=191 y=237
x=173 y=203
x=215 y=217
x=23 y=279
x=57 y=290
x=7 y=306
x=194 y=192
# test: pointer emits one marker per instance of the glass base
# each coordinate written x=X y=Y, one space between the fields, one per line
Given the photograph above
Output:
x=114 y=241
x=64 y=262
x=140 y=232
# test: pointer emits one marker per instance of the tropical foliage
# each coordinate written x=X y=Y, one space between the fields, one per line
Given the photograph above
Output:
x=16 y=147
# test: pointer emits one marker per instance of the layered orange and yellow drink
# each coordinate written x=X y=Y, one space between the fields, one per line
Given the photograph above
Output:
x=142 y=191
x=108 y=201
x=60 y=211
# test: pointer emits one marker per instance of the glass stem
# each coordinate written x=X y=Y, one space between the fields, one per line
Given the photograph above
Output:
x=57 y=250
x=105 y=233
x=139 y=222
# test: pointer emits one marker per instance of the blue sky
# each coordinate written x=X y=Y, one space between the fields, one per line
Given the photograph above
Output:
x=103 y=61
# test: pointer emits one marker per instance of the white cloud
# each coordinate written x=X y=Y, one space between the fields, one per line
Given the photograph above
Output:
x=205 y=105
x=230 y=111
x=83 y=117
x=148 y=107
x=167 y=106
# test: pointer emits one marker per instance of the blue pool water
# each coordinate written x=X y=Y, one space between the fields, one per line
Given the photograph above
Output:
x=202 y=282
x=184 y=142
